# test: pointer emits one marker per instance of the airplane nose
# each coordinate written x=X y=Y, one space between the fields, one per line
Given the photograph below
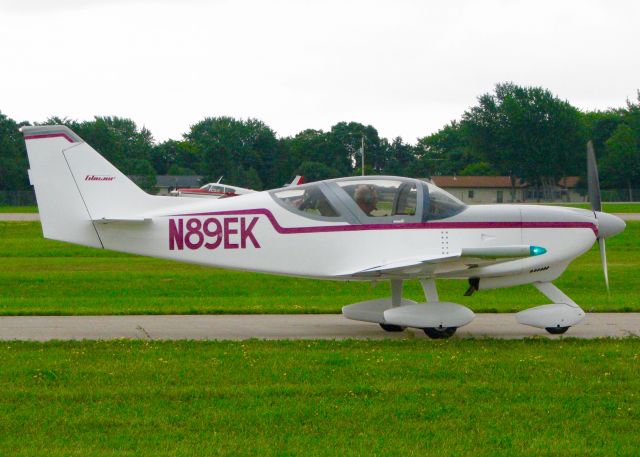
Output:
x=609 y=225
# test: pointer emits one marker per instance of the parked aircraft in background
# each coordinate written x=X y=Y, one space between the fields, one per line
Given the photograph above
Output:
x=211 y=190
x=370 y=228
x=219 y=190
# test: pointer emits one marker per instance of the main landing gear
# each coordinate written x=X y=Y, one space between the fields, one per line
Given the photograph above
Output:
x=555 y=318
x=392 y=327
x=440 y=320
x=432 y=332
x=556 y=330
x=437 y=319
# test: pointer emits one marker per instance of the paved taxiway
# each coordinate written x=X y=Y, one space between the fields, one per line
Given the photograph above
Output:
x=289 y=326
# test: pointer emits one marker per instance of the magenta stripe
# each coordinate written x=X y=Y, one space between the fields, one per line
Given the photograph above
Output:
x=50 y=135
x=405 y=226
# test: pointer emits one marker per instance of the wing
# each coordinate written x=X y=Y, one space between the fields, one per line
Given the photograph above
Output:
x=416 y=267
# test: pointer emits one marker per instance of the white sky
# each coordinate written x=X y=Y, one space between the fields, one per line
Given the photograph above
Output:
x=405 y=67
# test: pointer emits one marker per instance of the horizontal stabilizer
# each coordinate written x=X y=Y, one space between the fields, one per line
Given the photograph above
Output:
x=109 y=220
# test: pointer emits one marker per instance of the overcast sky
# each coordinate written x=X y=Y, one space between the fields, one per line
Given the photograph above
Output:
x=405 y=67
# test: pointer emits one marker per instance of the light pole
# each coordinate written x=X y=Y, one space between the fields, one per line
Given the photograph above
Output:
x=362 y=152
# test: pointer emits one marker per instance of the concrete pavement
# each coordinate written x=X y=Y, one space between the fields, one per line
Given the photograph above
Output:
x=19 y=217
x=290 y=326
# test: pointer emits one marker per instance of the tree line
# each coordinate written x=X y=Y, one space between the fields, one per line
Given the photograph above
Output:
x=523 y=132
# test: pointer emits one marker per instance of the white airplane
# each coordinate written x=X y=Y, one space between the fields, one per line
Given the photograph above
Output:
x=211 y=190
x=219 y=190
x=356 y=228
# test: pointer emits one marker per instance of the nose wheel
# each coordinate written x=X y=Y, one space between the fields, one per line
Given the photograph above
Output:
x=556 y=330
x=439 y=333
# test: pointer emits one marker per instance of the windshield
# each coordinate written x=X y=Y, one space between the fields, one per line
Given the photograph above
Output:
x=308 y=199
x=441 y=204
x=382 y=197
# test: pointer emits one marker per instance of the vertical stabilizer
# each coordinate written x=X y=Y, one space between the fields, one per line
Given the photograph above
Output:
x=63 y=213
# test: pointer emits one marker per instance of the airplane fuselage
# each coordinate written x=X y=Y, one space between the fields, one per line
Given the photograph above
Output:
x=252 y=232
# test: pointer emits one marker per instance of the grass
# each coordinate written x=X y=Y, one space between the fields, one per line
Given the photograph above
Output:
x=415 y=397
x=40 y=276
x=18 y=209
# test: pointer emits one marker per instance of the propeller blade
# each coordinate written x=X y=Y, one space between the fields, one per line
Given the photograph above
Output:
x=603 y=256
x=592 y=179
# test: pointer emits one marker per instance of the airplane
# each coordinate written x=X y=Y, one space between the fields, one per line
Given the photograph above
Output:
x=369 y=228
x=219 y=190
x=211 y=190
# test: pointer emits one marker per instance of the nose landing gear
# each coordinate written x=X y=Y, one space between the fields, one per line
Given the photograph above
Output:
x=555 y=318
x=440 y=333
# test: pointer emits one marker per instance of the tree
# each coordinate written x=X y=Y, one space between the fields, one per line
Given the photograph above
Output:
x=623 y=157
x=120 y=141
x=401 y=158
x=316 y=171
x=445 y=152
x=13 y=162
x=478 y=169
x=232 y=148
x=528 y=133
x=176 y=158
x=309 y=146
x=599 y=126
x=345 y=140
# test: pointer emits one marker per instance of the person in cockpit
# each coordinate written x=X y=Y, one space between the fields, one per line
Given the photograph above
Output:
x=367 y=198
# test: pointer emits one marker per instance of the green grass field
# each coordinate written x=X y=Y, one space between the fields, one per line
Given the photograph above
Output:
x=40 y=276
x=415 y=397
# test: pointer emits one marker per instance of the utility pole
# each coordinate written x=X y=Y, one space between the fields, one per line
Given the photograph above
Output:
x=362 y=151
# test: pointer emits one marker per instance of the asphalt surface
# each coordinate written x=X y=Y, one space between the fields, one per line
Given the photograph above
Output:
x=289 y=326
x=19 y=217
x=36 y=216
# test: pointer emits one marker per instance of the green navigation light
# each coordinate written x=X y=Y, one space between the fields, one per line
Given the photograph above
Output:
x=537 y=250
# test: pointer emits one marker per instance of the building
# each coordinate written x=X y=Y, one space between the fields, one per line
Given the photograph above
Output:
x=167 y=183
x=498 y=189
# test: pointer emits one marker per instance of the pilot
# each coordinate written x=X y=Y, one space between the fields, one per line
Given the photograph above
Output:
x=367 y=198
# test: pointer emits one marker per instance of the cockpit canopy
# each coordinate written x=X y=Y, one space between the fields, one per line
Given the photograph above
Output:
x=370 y=200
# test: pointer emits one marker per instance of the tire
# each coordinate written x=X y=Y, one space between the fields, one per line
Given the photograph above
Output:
x=439 y=333
x=392 y=328
x=557 y=330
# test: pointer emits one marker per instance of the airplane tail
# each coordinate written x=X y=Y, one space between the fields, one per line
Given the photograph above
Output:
x=76 y=187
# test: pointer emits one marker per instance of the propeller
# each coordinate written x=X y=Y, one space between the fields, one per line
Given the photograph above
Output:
x=592 y=179
x=595 y=200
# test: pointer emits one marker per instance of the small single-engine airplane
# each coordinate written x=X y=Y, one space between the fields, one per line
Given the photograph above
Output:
x=211 y=190
x=369 y=228
x=220 y=190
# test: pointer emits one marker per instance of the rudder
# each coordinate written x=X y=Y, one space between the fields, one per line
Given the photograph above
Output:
x=75 y=186
x=63 y=213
